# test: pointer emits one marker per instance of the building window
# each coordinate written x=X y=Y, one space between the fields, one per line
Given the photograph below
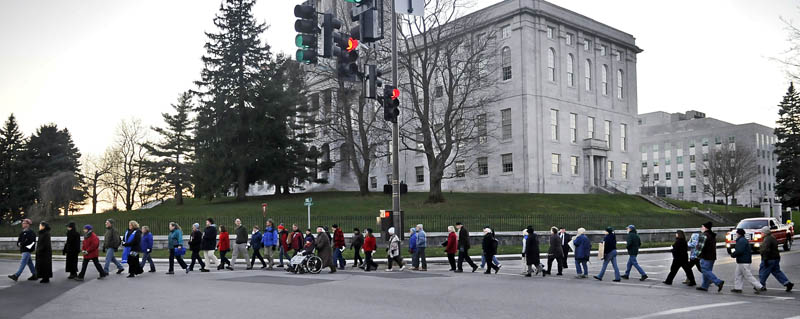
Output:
x=550 y=32
x=705 y=141
x=508 y=163
x=420 y=174
x=680 y=174
x=691 y=158
x=655 y=176
x=624 y=170
x=717 y=140
x=570 y=70
x=655 y=163
x=505 y=116
x=669 y=190
x=623 y=137
x=694 y=188
x=506 y=60
x=667 y=161
x=419 y=138
x=551 y=64
x=483 y=166
x=680 y=190
x=573 y=165
x=556 y=163
x=568 y=39
x=483 y=132
x=587 y=44
x=618 y=55
x=668 y=176
x=608 y=134
x=705 y=172
x=619 y=84
x=460 y=167
x=603 y=50
x=373 y=182
x=587 y=75
x=554 y=124
x=610 y=168
x=604 y=80
x=506 y=31
x=644 y=164
x=705 y=157
x=389 y=179
x=438 y=91
x=693 y=174
x=590 y=127
x=731 y=139
x=679 y=159
x=573 y=127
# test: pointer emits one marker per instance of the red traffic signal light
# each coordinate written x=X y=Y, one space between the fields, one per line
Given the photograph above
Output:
x=352 y=44
x=395 y=94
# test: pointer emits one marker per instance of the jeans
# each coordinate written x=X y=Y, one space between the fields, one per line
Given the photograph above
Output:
x=771 y=267
x=419 y=257
x=494 y=260
x=172 y=258
x=338 y=260
x=111 y=258
x=610 y=258
x=582 y=264
x=96 y=265
x=743 y=273
x=708 y=276
x=281 y=253
x=632 y=262
x=463 y=255
x=26 y=261
x=146 y=258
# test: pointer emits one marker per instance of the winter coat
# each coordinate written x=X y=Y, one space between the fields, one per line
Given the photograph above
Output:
x=769 y=248
x=610 y=242
x=324 y=251
x=412 y=240
x=111 y=239
x=72 y=248
x=270 y=237
x=196 y=240
x=26 y=237
x=91 y=245
x=241 y=235
x=394 y=246
x=297 y=240
x=147 y=242
x=555 y=247
x=135 y=242
x=742 y=253
x=463 y=239
x=255 y=240
x=44 y=255
x=209 y=241
x=489 y=245
x=633 y=242
x=452 y=243
x=532 y=250
x=338 y=238
x=175 y=238
x=357 y=242
x=680 y=251
x=224 y=242
x=422 y=240
x=369 y=243
x=284 y=235
x=564 y=243
x=582 y=247
x=709 y=251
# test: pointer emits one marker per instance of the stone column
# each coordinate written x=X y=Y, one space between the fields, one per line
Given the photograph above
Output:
x=765 y=209
x=777 y=209
x=591 y=170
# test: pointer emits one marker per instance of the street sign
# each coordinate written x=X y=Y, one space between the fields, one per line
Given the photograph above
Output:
x=264 y=209
x=412 y=7
x=308 y=202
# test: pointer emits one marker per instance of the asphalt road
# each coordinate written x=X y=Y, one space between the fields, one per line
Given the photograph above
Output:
x=437 y=293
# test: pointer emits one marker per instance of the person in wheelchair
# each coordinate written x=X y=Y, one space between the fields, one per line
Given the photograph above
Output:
x=300 y=262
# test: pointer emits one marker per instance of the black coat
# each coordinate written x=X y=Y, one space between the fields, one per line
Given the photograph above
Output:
x=26 y=237
x=136 y=243
x=209 y=238
x=680 y=251
x=564 y=245
x=555 y=246
x=195 y=240
x=709 y=251
x=489 y=245
x=44 y=255
x=71 y=249
x=532 y=250
x=463 y=239
x=358 y=241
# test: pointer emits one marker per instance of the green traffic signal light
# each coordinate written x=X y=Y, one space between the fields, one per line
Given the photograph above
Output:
x=306 y=56
x=305 y=41
x=353 y=1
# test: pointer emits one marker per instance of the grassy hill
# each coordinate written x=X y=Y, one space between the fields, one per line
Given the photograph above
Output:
x=504 y=212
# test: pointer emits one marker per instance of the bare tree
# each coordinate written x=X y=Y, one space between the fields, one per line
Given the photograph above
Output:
x=728 y=170
x=126 y=158
x=57 y=194
x=94 y=169
x=448 y=62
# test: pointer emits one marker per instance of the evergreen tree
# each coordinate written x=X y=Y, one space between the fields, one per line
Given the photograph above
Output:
x=174 y=153
x=788 y=149
x=16 y=186
x=54 y=161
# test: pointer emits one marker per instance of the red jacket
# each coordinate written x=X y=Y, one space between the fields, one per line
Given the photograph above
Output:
x=224 y=243
x=297 y=241
x=452 y=244
x=283 y=235
x=338 y=238
x=369 y=243
x=91 y=245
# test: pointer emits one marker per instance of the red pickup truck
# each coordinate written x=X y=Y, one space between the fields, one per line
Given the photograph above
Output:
x=752 y=227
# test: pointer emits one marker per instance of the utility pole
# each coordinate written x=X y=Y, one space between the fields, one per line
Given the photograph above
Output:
x=395 y=125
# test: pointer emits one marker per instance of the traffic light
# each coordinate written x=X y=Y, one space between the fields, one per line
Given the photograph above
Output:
x=371 y=81
x=308 y=29
x=346 y=54
x=369 y=14
x=391 y=103
x=329 y=25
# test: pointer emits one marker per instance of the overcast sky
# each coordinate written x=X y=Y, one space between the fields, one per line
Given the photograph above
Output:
x=87 y=64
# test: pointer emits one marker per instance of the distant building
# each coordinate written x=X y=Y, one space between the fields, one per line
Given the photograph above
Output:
x=672 y=145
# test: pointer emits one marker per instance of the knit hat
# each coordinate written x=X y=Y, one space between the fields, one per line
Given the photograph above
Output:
x=280 y=227
x=71 y=225
x=391 y=231
x=766 y=230
x=631 y=227
x=740 y=231
x=87 y=227
x=708 y=224
x=610 y=229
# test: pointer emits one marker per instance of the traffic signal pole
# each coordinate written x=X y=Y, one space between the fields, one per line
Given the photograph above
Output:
x=395 y=126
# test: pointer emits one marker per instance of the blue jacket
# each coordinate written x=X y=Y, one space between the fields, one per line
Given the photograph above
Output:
x=147 y=242
x=255 y=240
x=270 y=237
x=412 y=241
x=422 y=241
x=582 y=247
x=742 y=253
x=175 y=238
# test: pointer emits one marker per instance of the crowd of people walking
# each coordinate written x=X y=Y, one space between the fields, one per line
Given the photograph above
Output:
x=329 y=245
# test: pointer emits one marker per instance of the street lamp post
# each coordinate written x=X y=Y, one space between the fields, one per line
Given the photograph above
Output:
x=751 y=197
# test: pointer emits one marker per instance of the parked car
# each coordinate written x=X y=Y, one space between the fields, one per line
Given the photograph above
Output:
x=752 y=227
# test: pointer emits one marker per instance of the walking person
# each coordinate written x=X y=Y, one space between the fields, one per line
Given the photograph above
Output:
x=26 y=241
x=393 y=252
x=338 y=247
x=492 y=260
x=422 y=244
x=111 y=243
x=147 y=248
x=133 y=240
x=355 y=244
x=463 y=248
x=255 y=243
x=532 y=253
x=44 y=254
x=369 y=249
x=209 y=244
x=240 y=247
x=695 y=245
x=632 y=244
x=297 y=240
x=770 y=262
x=582 y=251
x=283 y=250
x=412 y=247
x=175 y=246
x=708 y=255
x=744 y=258
x=323 y=246
x=680 y=260
x=609 y=255
x=196 y=245
x=71 y=249
x=89 y=249
x=451 y=247
x=554 y=253
x=224 y=246
x=565 y=239
x=269 y=240
x=489 y=246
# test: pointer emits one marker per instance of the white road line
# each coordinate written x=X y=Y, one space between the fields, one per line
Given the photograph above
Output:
x=688 y=309
x=795 y=317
